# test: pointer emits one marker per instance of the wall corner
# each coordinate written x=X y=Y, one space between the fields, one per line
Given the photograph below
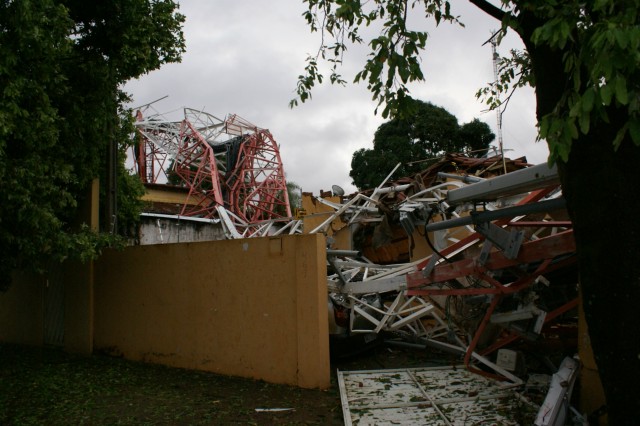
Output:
x=314 y=370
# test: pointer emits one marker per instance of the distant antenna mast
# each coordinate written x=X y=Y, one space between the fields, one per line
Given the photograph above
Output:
x=499 y=108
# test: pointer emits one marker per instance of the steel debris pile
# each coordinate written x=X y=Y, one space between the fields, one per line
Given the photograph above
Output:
x=488 y=260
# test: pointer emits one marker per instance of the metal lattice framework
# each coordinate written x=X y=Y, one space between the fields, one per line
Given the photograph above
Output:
x=150 y=159
x=500 y=255
x=226 y=164
x=195 y=165
x=258 y=190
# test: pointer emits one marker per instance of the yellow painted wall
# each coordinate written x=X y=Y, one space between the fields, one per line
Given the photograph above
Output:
x=22 y=310
x=166 y=194
x=78 y=309
x=23 y=307
x=253 y=308
x=316 y=213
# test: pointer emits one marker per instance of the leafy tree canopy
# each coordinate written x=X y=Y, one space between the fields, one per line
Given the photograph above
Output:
x=429 y=131
x=599 y=42
x=62 y=63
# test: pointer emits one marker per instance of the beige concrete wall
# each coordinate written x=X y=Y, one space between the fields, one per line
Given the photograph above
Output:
x=252 y=308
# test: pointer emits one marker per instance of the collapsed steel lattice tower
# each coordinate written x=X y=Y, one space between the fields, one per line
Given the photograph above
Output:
x=226 y=164
x=256 y=183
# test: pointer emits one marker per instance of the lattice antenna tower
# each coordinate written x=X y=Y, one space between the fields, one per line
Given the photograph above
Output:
x=496 y=77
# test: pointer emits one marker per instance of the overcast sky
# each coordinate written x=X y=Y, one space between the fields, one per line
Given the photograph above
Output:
x=243 y=57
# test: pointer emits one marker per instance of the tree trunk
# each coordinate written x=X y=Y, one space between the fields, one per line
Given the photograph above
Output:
x=601 y=186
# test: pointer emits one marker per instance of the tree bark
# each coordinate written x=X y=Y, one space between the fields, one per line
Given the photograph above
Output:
x=601 y=187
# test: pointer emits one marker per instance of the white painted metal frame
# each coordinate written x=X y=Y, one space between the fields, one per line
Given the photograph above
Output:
x=429 y=395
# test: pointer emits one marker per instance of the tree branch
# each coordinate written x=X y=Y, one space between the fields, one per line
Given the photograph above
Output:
x=489 y=9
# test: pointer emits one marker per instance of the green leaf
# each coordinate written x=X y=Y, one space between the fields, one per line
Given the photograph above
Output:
x=621 y=38
x=600 y=4
x=556 y=126
x=634 y=131
x=606 y=94
x=620 y=136
x=621 y=90
x=543 y=126
x=587 y=100
x=571 y=129
x=565 y=34
x=404 y=73
x=559 y=150
x=576 y=108
x=584 y=121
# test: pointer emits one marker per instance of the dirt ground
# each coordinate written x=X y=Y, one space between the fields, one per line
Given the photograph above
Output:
x=47 y=386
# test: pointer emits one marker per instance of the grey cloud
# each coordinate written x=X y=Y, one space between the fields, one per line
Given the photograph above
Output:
x=244 y=58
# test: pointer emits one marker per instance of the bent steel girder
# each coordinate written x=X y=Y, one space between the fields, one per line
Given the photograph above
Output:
x=196 y=166
x=237 y=126
x=209 y=126
x=257 y=185
x=483 y=274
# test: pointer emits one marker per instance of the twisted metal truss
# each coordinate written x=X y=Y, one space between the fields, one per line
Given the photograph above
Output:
x=257 y=186
x=231 y=167
x=448 y=299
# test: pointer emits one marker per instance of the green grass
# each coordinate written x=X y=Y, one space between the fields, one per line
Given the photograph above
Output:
x=46 y=386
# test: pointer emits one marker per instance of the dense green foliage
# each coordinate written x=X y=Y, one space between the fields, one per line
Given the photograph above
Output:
x=428 y=131
x=62 y=64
